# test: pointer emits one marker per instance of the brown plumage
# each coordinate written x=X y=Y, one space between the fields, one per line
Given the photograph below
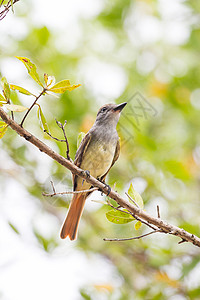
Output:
x=97 y=153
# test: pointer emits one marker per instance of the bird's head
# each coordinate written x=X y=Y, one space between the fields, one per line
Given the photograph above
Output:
x=109 y=114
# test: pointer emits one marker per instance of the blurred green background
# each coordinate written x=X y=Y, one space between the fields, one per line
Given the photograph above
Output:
x=145 y=52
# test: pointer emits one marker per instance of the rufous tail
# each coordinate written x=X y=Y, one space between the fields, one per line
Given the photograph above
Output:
x=72 y=220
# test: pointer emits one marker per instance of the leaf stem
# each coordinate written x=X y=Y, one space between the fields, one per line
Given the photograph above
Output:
x=36 y=99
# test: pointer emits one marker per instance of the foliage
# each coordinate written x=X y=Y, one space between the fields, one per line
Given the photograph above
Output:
x=48 y=87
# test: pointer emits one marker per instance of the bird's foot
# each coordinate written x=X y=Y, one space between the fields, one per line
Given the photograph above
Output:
x=108 y=187
x=87 y=173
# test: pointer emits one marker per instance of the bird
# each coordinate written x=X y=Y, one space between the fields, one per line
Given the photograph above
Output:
x=97 y=153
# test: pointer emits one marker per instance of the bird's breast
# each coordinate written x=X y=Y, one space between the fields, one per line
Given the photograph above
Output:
x=98 y=157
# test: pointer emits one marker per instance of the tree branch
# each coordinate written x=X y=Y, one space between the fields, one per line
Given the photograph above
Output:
x=6 y=8
x=137 y=212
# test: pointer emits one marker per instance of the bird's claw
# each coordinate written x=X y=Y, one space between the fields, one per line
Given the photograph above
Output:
x=87 y=173
x=108 y=187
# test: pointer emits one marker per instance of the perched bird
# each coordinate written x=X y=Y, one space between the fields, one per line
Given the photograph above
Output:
x=97 y=153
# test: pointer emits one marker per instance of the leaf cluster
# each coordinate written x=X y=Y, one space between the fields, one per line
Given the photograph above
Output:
x=48 y=87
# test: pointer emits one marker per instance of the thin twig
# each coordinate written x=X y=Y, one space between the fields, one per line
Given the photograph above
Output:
x=54 y=138
x=72 y=192
x=12 y=113
x=30 y=108
x=53 y=187
x=131 y=199
x=158 y=211
x=182 y=241
x=132 y=238
x=60 y=125
x=64 y=133
x=118 y=208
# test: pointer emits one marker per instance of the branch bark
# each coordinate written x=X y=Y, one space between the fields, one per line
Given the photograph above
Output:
x=160 y=224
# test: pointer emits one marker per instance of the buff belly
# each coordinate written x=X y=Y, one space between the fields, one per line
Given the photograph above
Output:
x=97 y=160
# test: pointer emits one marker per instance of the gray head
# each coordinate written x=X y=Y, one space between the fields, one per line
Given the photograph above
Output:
x=109 y=114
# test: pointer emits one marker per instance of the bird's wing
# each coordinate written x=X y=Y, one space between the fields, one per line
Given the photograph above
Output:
x=115 y=158
x=80 y=153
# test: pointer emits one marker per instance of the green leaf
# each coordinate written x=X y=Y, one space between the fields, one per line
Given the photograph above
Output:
x=47 y=243
x=119 y=217
x=20 y=89
x=6 y=88
x=13 y=228
x=17 y=108
x=63 y=86
x=2 y=99
x=42 y=119
x=3 y=130
x=84 y=295
x=80 y=137
x=12 y=6
x=32 y=70
x=138 y=224
x=135 y=196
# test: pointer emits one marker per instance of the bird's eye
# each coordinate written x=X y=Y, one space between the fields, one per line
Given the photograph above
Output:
x=103 y=109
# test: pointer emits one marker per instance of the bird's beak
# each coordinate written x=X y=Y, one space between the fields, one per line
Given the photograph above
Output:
x=119 y=107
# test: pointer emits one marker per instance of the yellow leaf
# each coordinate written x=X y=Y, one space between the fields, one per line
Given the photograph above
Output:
x=2 y=103
x=63 y=86
x=6 y=88
x=138 y=224
x=32 y=70
x=3 y=130
x=17 y=108
x=2 y=124
x=20 y=89
x=45 y=78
